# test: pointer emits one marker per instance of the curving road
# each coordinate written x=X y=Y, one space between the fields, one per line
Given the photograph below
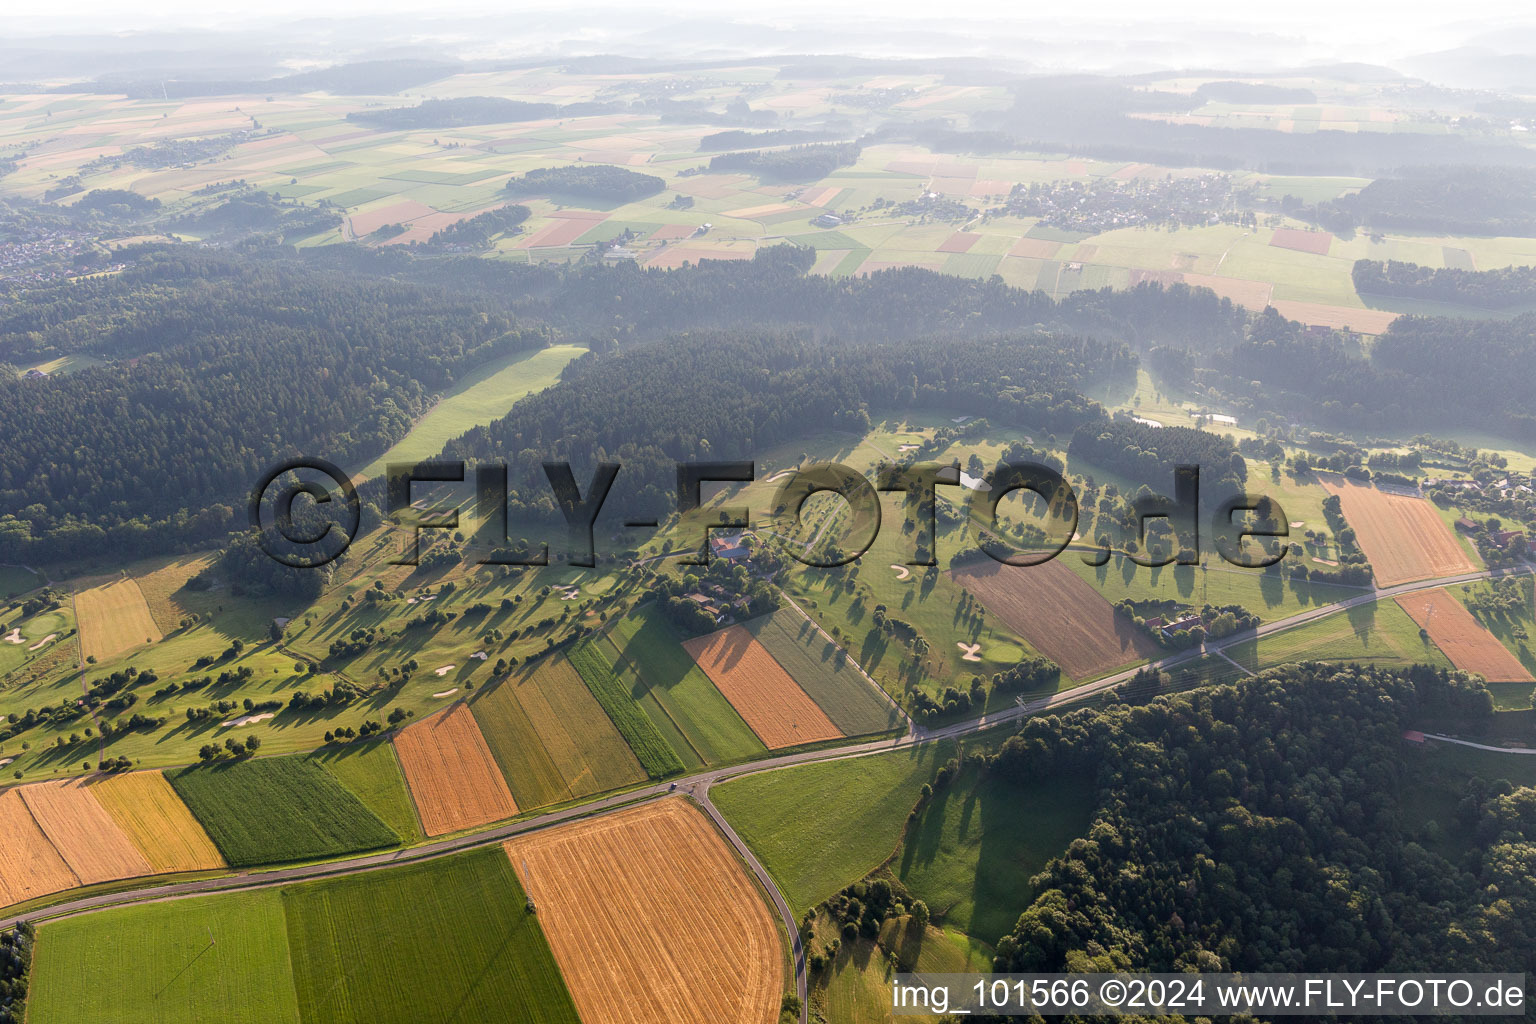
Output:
x=698 y=786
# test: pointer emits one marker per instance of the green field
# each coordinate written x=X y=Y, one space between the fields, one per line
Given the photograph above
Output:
x=445 y=940
x=1379 y=633
x=857 y=987
x=675 y=689
x=973 y=848
x=483 y=395
x=214 y=958
x=371 y=771
x=15 y=581
x=657 y=757
x=823 y=670
x=531 y=773
x=819 y=827
x=278 y=809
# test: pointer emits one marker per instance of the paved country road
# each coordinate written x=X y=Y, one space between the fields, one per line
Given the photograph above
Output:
x=698 y=786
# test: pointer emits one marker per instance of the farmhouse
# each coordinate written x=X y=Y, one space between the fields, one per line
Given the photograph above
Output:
x=828 y=220
x=1180 y=625
x=1500 y=538
x=1466 y=525
x=729 y=546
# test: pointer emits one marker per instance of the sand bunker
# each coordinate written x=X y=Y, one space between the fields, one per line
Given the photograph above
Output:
x=446 y=693
x=444 y=670
x=902 y=572
x=43 y=642
x=908 y=447
x=968 y=652
x=235 y=723
x=14 y=636
x=479 y=655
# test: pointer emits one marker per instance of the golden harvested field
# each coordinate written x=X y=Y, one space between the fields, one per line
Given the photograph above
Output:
x=113 y=619
x=763 y=694
x=1402 y=536
x=29 y=865
x=652 y=919
x=146 y=807
x=581 y=739
x=83 y=833
x=1470 y=647
x=451 y=774
x=1061 y=616
x=160 y=587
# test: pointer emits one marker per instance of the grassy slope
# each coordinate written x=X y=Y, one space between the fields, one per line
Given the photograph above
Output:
x=972 y=851
x=372 y=772
x=819 y=827
x=480 y=397
x=216 y=958
x=679 y=690
x=278 y=809
x=449 y=939
x=824 y=672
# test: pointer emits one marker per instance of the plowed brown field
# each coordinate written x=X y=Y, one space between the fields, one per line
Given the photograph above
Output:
x=1059 y=614
x=452 y=777
x=763 y=694
x=29 y=865
x=652 y=919
x=146 y=807
x=85 y=835
x=1470 y=647
x=1402 y=535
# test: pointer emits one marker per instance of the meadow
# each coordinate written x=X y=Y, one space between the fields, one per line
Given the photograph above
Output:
x=447 y=939
x=214 y=958
x=818 y=827
x=1378 y=633
x=972 y=849
x=486 y=394
x=272 y=810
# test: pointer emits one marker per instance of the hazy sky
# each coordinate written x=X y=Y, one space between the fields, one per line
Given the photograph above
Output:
x=1363 y=30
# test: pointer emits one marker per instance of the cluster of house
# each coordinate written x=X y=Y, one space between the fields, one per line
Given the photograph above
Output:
x=1503 y=488
x=1498 y=538
x=1170 y=627
x=42 y=259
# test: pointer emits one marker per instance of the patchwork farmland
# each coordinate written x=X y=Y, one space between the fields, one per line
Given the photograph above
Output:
x=1402 y=535
x=825 y=672
x=278 y=809
x=146 y=807
x=652 y=919
x=452 y=776
x=773 y=704
x=30 y=867
x=447 y=939
x=1462 y=638
x=1060 y=615
x=218 y=958
x=86 y=836
x=113 y=619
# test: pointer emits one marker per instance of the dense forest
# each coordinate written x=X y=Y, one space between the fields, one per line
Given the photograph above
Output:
x=738 y=139
x=1422 y=371
x=1456 y=200
x=1252 y=92
x=1490 y=289
x=453 y=113
x=797 y=163
x=1148 y=454
x=711 y=396
x=476 y=232
x=219 y=366
x=598 y=181
x=1092 y=116
x=1265 y=827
